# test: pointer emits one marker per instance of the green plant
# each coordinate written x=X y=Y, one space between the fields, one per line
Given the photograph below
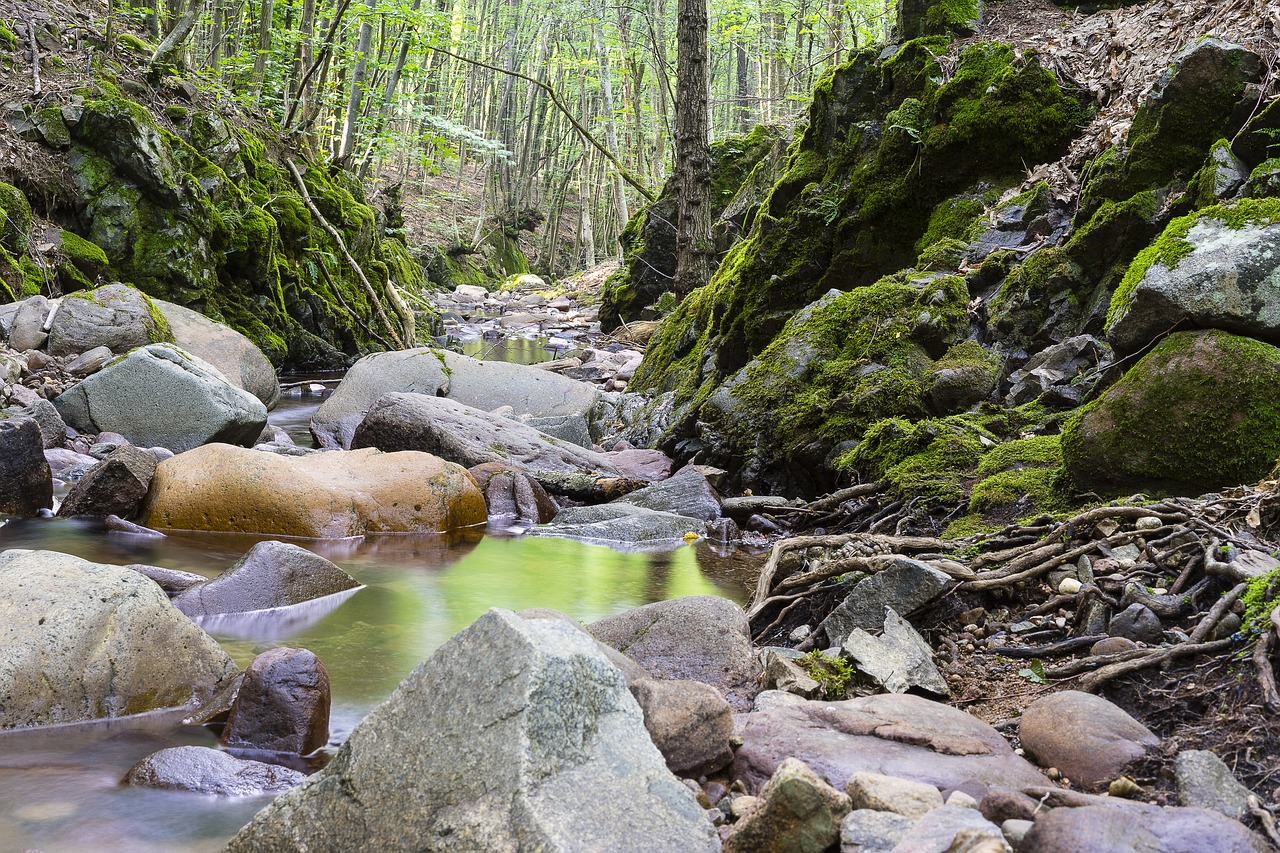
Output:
x=832 y=672
x=1035 y=672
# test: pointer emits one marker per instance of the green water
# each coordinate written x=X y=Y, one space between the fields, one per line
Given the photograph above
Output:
x=59 y=789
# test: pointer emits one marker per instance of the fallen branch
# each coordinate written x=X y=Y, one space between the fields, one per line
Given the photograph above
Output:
x=1215 y=614
x=834 y=500
x=1265 y=672
x=1094 y=681
x=35 y=57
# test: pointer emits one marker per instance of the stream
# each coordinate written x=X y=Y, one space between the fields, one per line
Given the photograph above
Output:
x=59 y=787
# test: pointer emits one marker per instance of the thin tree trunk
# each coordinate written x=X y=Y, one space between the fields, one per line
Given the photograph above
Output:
x=693 y=155
x=171 y=47
x=264 y=46
x=358 y=78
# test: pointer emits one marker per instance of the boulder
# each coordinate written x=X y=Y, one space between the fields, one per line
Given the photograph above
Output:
x=201 y=770
x=867 y=831
x=904 y=586
x=687 y=493
x=1204 y=781
x=67 y=464
x=1215 y=269
x=570 y=428
x=271 y=574
x=953 y=829
x=889 y=734
x=468 y=436
x=552 y=755
x=235 y=356
x=899 y=659
x=324 y=495
x=115 y=486
x=652 y=465
x=690 y=723
x=798 y=812
x=172 y=581
x=620 y=524
x=1087 y=738
x=1056 y=373
x=116 y=316
x=891 y=794
x=511 y=493
x=53 y=430
x=1138 y=829
x=484 y=385
x=85 y=641
x=26 y=331
x=26 y=481
x=282 y=706
x=700 y=638
x=1136 y=623
x=159 y=395
x=1198 y=412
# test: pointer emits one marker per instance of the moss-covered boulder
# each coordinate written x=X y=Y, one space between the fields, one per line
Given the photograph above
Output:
x=648 y=242
x=117 y=316
x=15 y=219
x=1200 y=411
x=1214 y=269
x=938 y=17
x=966 y=375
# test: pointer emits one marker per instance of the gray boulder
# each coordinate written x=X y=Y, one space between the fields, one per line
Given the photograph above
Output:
x=235 y=356
x=26 y=331
x=689 y=722
x=1087 y=738
x=1226 y=276
x=271 y=574
x=1055 y=373
x=552 y=756
x=458 y=433
x=700 y=638
x=686 y=492
x=570 y=428
x=1204 y=781
x=201 y=770
x=116 y=316
x=1138 y=829
x=53 y=430
x=26 y=481
x=620 y=524
x=484 y=385
x=282 y=704
x=869 y=831
x=899 y=659
x=85 y=641
x=904 y=586
x=115 y=486
x=159 y=395
x=889 y=734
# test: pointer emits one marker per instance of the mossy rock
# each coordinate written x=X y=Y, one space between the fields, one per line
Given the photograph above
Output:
x=15 y=219
x=1021 y=478
x=938 y=17
x=1201 y=411
x=965 y=376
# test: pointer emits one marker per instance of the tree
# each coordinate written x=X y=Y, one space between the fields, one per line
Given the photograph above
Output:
x=694 y=249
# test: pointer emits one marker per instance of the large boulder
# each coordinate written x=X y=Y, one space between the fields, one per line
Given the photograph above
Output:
x=1200 y=411
x=116 y=316
x=699 y=638
x=515 y=735
x=26 y=480
x=115 y=486
x=485 y=385
x=84 y=641
x=230 y=489
x=1138 y=829
x=239 y=360
x=686 y=493
x=889 y=734
x=272 y=574
x=1089 y=740
x=469 y=436
x=159 y=395
x=200 y=770
x=1215 y=269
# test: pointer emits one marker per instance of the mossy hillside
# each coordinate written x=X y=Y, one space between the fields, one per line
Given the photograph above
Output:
x=1172 y=245
x=929 y=460
x=1026 y=472
x=853 y=205
x=1200 y=411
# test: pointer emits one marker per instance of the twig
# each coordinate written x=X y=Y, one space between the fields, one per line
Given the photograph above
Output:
x=1266 y=674
x=1215 y=614
x=1265 y=817
x=35 y=57
x=1094 y=681
x=1052 y=650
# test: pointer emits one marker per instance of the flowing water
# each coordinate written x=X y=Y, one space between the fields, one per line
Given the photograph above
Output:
x=59 y=788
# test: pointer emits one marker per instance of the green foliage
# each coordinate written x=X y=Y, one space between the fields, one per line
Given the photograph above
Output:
x=1261 y=597
x=832 y=672
x=15 y=219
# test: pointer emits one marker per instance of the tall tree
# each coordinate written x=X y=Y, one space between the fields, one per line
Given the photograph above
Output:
x=694 y=250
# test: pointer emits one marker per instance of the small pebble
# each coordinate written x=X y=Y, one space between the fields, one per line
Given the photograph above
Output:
x=1014 y=831
x=742 y=805
x=1148 y=522
x=800 y=634
x=1069 y=586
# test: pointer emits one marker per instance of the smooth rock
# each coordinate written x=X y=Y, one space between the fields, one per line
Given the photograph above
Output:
x=1204 y=781
x=53 y=430
x=1138 y=829
x=700 y=638
x=954 y=829
x=868 y=831
x=26 y=481
x=651 y=465
x=891 y=794
x=511 y=493
x=1112 y=646
x=899 y=659
x=159 y=395
x=1087 y=738
x=1137 y=623
x=26 y=331
x=282 y=706
x=115 y=486
x=271 y=574
x=552 y=755
x=798 y=813
x=421 y=371
x=67 y=464
x=116 y=316
x=201 y=770
x=620 y=524
x=891 y=734
x=90 y=361
x=172 y=581
x=235 y=356
x=85 y=641
x=686 y=492
x=324 y=495
x=570 y=428
x=905 y=586
x=690 y=723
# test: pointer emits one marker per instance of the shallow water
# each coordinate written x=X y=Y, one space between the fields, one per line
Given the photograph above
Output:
x=59 y=788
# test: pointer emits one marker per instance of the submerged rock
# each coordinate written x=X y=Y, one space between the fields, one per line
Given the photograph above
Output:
x=622 y=524
x=552 y=755
x=159 y=395
x=201 y=770
x=271 y=574
x=85 y=641
x=230 y=489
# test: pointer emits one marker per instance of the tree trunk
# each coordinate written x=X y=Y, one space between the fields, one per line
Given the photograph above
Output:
x=171 y=47
x=264 y=46
x=693 y=155
x=358 y=78
x=618 y=190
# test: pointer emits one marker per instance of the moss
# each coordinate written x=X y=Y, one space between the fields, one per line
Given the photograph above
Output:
x=1037 y=488
x=177 y=113
x=133 y=44
x=972 y=525
x=946 y=254
x=929 y=460
x=832 y=672
x=7 y=38
x=15 y=219
x=1040 y=450
x=52 y=128
x=1025 y=300
x=85 y=254
x=34 y=278
x=954 y=219
x=1172 y=246
x=1259 y=600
